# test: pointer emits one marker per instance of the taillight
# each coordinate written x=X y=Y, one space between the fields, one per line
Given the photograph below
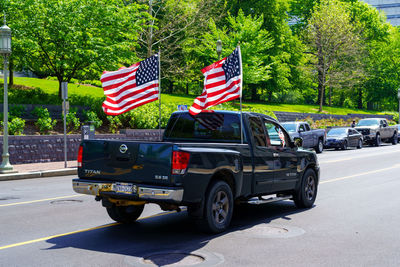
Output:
x=80 y=152
x=180 y=161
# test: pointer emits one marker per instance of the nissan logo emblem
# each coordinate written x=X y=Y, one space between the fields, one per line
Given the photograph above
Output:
x=123 y=148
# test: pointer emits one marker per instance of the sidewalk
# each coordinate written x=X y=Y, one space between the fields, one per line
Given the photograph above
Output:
x=37 y=170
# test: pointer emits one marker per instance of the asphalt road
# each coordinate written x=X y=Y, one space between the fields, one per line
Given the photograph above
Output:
x=355 y=222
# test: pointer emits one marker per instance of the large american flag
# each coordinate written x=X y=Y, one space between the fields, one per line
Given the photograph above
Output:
x=222 y=83
x=129 y=88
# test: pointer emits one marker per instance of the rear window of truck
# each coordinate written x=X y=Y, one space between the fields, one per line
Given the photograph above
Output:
x=205 y=126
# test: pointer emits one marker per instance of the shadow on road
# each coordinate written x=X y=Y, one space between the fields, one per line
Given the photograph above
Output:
x=171 y=232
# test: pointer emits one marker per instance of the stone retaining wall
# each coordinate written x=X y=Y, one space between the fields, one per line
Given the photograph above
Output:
x=48 y=148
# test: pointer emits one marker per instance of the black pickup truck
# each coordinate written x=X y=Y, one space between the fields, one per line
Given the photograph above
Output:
x=202 y=164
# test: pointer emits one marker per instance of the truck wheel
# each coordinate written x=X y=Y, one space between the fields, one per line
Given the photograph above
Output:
x=360 y=143
x=378 y=140
x=125 y=214
x=218 y=208
x=394 y=139
x=305 y=196
x=320 y=146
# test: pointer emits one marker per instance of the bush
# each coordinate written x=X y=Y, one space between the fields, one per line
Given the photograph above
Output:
x=91 y=116
x=44 y=122
x=16 y=111
x=115 y=123
x=16 y=126
x=72 y=121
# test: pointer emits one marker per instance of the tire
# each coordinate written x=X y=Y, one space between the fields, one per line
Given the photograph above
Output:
x=360 y=144
x=378 y=140
x=395 y=139
x=344 y=147
x=305 y=196
x=125 y=214
x=320 y=146
x=218 y=208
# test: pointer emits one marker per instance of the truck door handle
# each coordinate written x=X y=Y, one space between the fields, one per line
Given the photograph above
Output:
x=275 y=155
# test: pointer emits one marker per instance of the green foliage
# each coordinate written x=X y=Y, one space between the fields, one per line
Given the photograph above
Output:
x=75 y=38
x=115 y=123
x=16 y=111
x=16 y=126
x=44 y=122
x=72 y=121
x=92 y=117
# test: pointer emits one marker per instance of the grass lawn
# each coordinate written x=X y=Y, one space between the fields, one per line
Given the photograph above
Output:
x=51 y=87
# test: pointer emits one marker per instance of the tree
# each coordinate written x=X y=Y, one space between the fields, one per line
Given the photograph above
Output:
x=171 y=23
x=74 y=38
x=255 y=44
x=332 y=38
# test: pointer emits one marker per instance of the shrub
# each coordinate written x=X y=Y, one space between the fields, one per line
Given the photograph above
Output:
x=72 y=121
x=16 y=111
x=91 y=116
x=115 y=123
x=16 y=126
x=44 y=122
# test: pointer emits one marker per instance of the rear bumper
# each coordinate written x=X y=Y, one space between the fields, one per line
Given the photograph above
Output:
x=145 y=193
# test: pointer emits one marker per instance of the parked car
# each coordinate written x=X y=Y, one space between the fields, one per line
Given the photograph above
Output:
x=202 y=164
x=311 y=138
x=343 y=138
x=376 y=131
x=398 y=132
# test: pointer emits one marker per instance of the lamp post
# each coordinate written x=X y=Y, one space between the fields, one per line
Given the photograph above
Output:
x=5 y=50
x=219 y=49
x=398 y=96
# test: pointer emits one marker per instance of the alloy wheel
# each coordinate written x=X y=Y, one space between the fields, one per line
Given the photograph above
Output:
x=220 y=207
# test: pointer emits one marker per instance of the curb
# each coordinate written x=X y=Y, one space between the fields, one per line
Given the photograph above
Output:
x=38 y=174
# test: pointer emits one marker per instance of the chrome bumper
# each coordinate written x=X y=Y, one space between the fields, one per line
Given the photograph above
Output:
x=142 y=193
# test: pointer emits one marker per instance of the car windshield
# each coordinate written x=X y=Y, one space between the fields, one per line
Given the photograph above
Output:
x=337 y=132
x=368 y=122
x=290 y=127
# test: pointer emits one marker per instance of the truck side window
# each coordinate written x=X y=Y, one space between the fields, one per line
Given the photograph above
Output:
x=307 y=127
x=257 y=131
x=301 y=128
x=276 y=134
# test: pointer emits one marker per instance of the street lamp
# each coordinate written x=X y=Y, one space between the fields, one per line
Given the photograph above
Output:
x=219 y=49
x=398 y=96
x=5 y=50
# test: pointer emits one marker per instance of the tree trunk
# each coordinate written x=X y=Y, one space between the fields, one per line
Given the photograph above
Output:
x=150 y=34
x=254 y=96
x=60 y=79
x=187 y=88
x=360 y=102
x=330 y=96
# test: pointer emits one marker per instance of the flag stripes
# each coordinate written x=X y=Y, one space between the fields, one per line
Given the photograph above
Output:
x=222 y=83
x=129 y=88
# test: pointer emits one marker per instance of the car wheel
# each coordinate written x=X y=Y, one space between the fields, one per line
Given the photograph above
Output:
x=344 y=147
x=125 y=214
x=218 y=208
x=394 y=139
x=360 y=143
x=305 y=196
x=320 y=146
x=378 y=140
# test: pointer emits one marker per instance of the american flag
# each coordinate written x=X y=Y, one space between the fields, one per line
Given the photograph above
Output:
x=129 y=88
x=222 y=83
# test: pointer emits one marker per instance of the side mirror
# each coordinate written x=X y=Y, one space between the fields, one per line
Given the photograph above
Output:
x=298 y=141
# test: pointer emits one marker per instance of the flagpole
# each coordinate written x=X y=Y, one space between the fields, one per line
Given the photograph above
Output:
x=159 y=92
x=241 y=88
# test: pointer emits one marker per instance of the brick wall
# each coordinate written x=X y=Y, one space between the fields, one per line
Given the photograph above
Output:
x=48 y=148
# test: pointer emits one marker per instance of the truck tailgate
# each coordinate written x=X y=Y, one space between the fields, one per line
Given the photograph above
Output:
x=127 y=161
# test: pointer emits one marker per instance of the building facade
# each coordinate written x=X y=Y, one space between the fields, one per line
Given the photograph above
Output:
x=391 y=8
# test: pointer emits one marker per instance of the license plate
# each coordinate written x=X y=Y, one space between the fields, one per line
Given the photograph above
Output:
x=124 y=188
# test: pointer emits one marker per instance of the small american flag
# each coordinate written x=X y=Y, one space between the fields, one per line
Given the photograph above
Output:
x=222 y=83
x=129 y=88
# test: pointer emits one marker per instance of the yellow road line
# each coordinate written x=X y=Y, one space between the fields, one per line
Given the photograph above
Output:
x=360 y=174
x=78 y=231
x=38 y=200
